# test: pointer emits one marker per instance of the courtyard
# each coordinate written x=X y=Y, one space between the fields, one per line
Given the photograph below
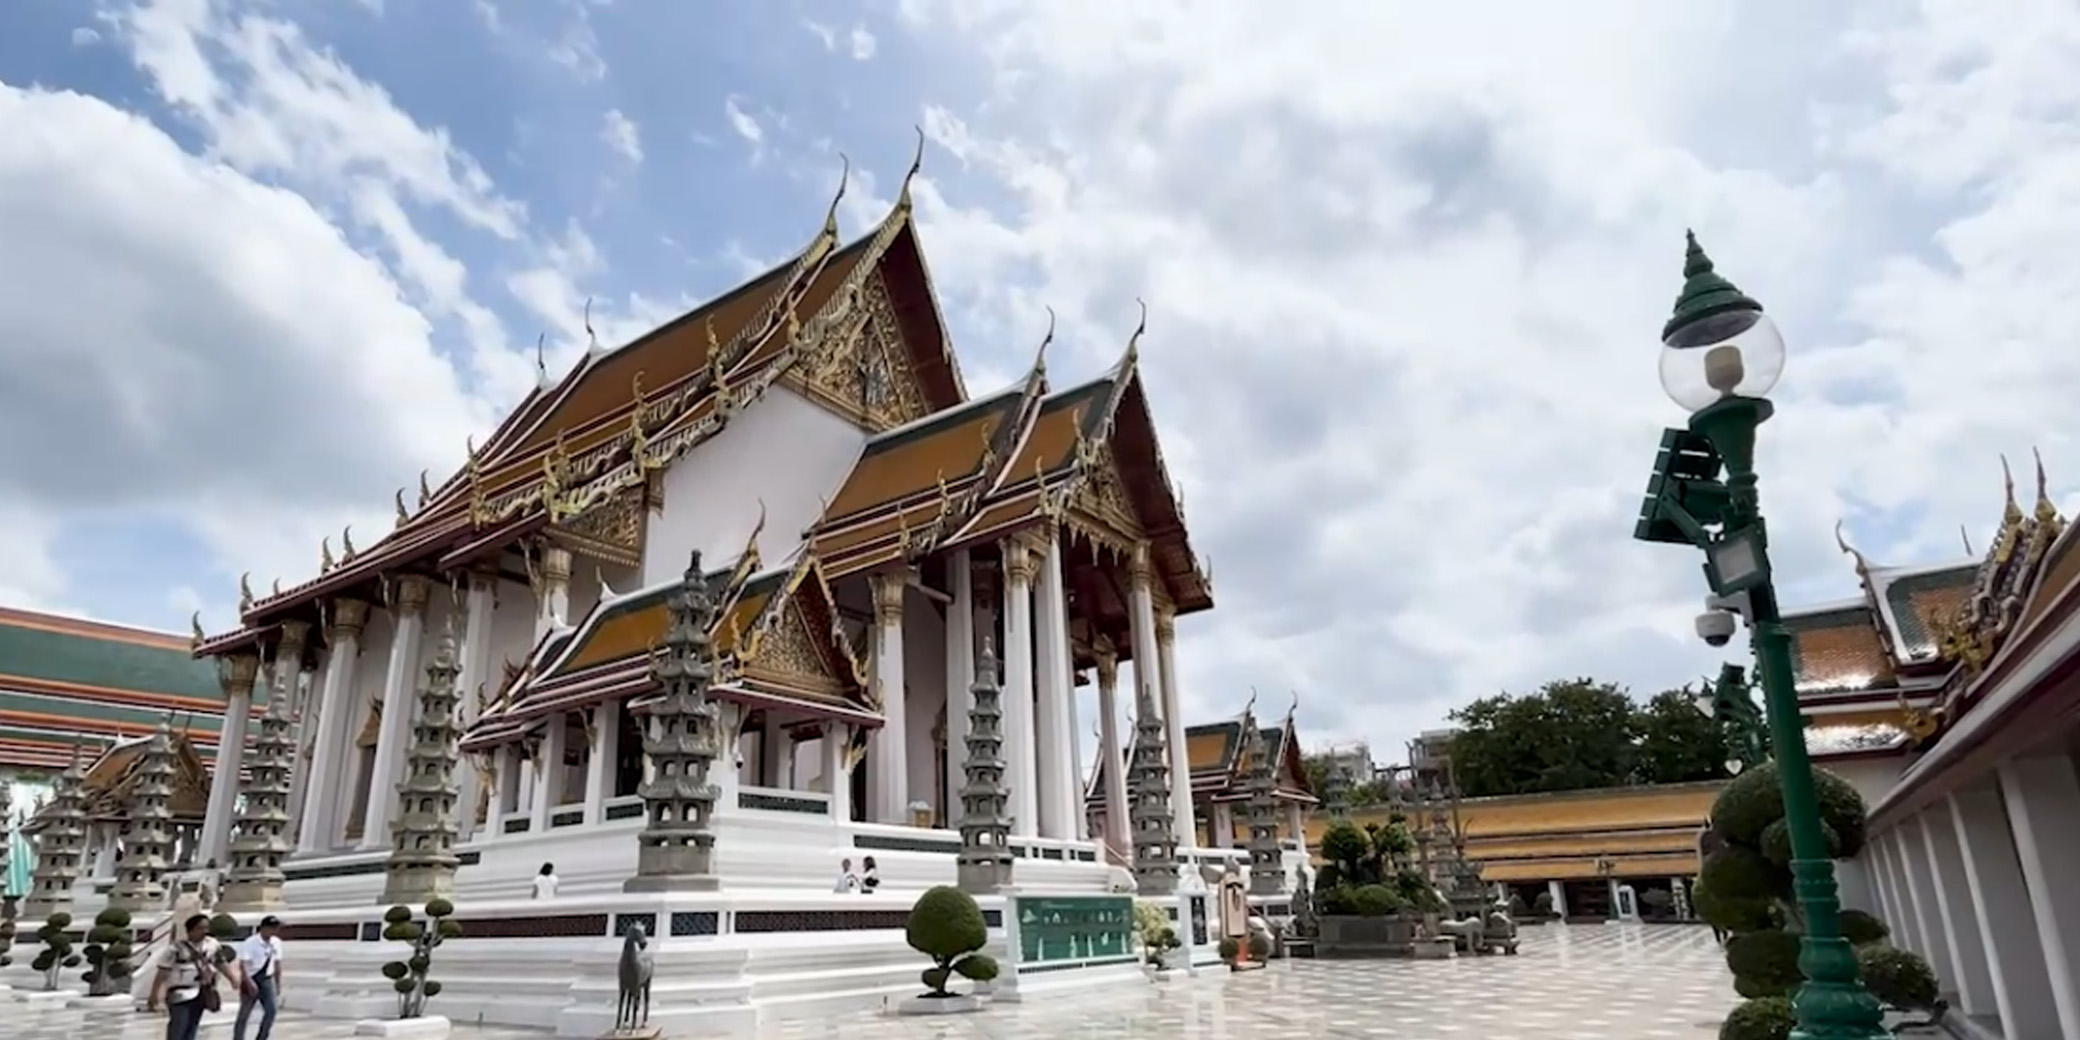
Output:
x=1591 y=982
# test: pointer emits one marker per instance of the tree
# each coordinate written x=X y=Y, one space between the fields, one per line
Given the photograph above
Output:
x=1571 y=734
x=1359 y=791
x=1677 y=743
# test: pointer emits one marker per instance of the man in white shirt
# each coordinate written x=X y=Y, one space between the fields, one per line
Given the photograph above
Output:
x=847 y=880
x=545 y=882
x=259 y=977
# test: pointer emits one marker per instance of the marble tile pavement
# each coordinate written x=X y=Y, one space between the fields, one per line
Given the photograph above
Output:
x=1580 y=982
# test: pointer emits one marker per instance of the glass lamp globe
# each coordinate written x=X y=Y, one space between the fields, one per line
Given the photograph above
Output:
x=1734 y=353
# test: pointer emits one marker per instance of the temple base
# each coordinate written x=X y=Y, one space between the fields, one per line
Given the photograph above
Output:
x=672 y=883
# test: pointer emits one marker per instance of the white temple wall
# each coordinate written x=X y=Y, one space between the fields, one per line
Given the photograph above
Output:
x=782 y=451
x=512 y=633
x=924 y=684
x=1873 y=778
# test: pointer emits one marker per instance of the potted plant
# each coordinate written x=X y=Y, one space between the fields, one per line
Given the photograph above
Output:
x=108 y=955
x=1159 y=941
x=947 y=926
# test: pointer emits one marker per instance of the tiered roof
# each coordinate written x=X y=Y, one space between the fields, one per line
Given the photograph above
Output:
x=1876 y=672
x=1219 y=762
x=64 y=680
x=595 y=436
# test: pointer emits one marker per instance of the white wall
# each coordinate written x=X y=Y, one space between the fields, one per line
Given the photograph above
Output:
x=1873 y=778
x=783 y=451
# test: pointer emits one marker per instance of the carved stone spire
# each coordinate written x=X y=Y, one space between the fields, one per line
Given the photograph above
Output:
x=984 y=864
x=148 y=834
x=1267 y=858
x=254 y=881
x=676 y=849
x=6 y=828
x=60 y=844
x=422 y=860
x=1155 y=839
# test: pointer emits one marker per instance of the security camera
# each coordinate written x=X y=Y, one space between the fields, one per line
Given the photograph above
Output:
x=1715 y=627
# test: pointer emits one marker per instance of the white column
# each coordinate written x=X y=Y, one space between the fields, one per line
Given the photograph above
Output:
x=599 y=763
x=774 y=749
x=960 y=678
x=475 y=683
x=331 y=724
x=236 y=674
x=104 y=851
x=1906 y=927
x=548 y=772
x=552 y=587
x=1559 y=893
x=505 y=788
x=1060 y=808
x=888 y=750
x=400 y=680
x=2043 y=796
x=2000 y=901
x=1110 y=751
x=837 y=782
x=1883 y=903
x=1020 y=749
x=1954 y=907
x=1928 y=914
x=1223 y=827
x=1296 y=822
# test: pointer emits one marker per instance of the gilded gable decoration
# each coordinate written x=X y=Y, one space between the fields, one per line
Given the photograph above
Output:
x=1976 y=630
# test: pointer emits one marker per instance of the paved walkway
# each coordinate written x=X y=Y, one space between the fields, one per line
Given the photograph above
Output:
x=1569 y=983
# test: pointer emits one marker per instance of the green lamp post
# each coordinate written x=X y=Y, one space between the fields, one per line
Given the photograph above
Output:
x=1722 y=356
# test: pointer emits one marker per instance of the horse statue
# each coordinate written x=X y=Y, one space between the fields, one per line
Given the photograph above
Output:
x=632 y=1011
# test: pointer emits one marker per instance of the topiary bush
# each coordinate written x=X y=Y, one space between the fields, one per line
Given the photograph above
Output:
x=1152 y=926
x=1259 y=947
x=409 y=975
x=1862 y=928
x=57 y=953
x=1739 y=873
x=1764 y=1018
x=1375 y=901
x=1764 y=963
x=1750 y=802
x=1229 y=949
x=108 y=954
x=1732 y=915
x=224 y=929
x=1899 y=978
x=1542 y=904
x=7 y=904
x=947 y=926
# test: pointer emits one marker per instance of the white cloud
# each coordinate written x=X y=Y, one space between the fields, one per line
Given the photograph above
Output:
x=622 y=135
x=1406 y=269
x=861 y=42
x=742 y=122
x=85 y=36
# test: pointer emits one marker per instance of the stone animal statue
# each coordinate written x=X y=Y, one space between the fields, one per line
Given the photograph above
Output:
x=632 y=1011
x=1501 y=929
x=1470 y=935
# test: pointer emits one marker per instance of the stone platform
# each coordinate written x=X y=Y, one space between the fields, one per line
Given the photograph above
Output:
x=1571 y=982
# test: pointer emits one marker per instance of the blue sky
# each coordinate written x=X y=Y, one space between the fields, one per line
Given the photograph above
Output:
x=1405 y=269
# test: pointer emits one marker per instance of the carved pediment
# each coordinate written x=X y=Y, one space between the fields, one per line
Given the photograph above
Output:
x=1102 y=504
x=794 y=654
x=861 y=368
x=611 y=530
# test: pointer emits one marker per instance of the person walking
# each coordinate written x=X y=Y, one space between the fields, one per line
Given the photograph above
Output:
x=260 y=977
x=185 y=983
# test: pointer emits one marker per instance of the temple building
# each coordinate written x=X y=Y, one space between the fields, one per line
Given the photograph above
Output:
x=866 y=518
x=1220 y=768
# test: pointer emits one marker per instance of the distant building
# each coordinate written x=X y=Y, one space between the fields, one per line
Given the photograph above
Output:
x=1353 y=762
x=1429 y=755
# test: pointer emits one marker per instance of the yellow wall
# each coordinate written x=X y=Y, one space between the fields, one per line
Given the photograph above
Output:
x=1643 y=831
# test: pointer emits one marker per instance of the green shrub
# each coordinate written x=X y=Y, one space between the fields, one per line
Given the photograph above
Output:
x=947 y=926
x=1375 y=901
x=1764 y=964
x=1741 y=873
x=108 y=954
x=1862 y=928
x=6 y=932
x=57 y=953
x=1393 y=841
x=1776 y=843
x=408 y=975
x=224 y=929
x=1229 y=949
x=1542 y=904
x=1750 y=802
x=1327 y=878
x=1763 y=1018
x=1259 y=947
x=1900 y=978
x=1346 y=847
x=1731 y=915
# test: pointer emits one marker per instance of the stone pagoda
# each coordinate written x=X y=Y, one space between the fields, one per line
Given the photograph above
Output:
x=1267 y=858
x=422 y=860
x=148 y=833
x=676 y=849
x=1148 y=814
x=985 y=862
x=6 y=828
x=60 y=844
x=254 y=881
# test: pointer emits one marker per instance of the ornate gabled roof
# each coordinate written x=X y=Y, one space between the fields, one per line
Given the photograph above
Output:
x=107 y=791
x=1218 y=761
x=63 y=679
x=622 y=414
x=1089 y=456
x=1837 y=648
x=777 y=639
